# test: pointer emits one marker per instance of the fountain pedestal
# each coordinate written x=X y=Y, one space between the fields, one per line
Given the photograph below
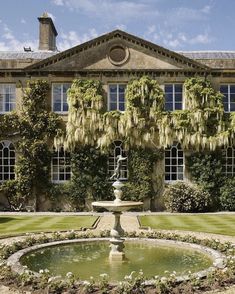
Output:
x=117 y=207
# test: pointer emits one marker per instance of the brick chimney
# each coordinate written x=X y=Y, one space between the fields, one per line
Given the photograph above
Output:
x=47 y=33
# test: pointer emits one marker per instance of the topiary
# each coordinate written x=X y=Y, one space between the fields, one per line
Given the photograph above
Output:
x=227 y=195
x=184 y=197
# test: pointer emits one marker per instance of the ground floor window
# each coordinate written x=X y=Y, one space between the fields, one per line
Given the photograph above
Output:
x=61 y=166
x=117 y=149
x=174 y=163
x=7 y=161
x=228 y=161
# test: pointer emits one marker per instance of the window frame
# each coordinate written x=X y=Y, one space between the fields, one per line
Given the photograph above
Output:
x=225 y=165
x=6 y=144
x=173 y=96
x=61 y=96
x=58 y=166
x=117 y=101
x=229 y=96
x=113 y=156
x=175 y=144
x=4 y=97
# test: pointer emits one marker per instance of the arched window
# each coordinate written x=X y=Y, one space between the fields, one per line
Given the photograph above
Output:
x=174 y=163
x=118 y=150
x=229 y=161
x=7 y=161
x=61 y=166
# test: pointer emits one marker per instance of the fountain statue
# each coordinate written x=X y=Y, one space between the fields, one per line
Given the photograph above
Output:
x=117 y=207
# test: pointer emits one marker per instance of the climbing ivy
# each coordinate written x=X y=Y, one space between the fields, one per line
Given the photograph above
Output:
x=140 y=168
x=36 y=126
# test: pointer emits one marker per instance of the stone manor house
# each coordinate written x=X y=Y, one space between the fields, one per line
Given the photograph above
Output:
x=114 y=58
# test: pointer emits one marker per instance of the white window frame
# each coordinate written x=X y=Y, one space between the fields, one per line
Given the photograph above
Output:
x=112 y=160
x=3 y=92
x=225 y=164
x=173 y=95
x=61 y=96
x=109 y=94
x=10 y=175
x=229 y=97
x=56 y=168
x=178 y=148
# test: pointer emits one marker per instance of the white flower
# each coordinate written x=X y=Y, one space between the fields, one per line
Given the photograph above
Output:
x=69 y=275
x=104 y=275
x=41 y=271
x=86 y=283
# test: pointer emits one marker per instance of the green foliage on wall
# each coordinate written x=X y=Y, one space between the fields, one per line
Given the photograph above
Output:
x=206 y=171
x=141 y=164
x=203 y=125
x=37 y=126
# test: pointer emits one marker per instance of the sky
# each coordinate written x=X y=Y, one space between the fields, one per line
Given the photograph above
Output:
x=179 y=25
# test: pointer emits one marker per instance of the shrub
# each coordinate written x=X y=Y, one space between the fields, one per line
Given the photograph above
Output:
x=184 y=197
x=227 y=195
x=206 y=171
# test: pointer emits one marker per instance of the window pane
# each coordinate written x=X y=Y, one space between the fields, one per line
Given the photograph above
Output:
x=121 y=106
x=178 y=88
x=169 y=88
x=224 y=89
x=113 y=106
x=232 y=88
x=178 y=97
x=168 y=106
x=113 y=88
x=168 y=97
x=178 y=106
x=232 y=106
x=113 y=98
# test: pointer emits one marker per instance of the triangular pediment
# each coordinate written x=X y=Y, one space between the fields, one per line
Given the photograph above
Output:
x=113 y=51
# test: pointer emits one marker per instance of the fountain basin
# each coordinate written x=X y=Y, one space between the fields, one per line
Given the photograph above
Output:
x=117 y=206
x=89 y=257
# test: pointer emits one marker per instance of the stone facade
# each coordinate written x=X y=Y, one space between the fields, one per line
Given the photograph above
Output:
x=93 y=59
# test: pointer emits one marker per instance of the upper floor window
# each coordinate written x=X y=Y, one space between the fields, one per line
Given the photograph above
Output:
x=112 y=164
x=116 y=97
x=229 y=161
x=229 y=97
x=7 y=161
x=7 y=97
x=59 y=97
x=61 y=166
x=174 y=163
x=173 y=97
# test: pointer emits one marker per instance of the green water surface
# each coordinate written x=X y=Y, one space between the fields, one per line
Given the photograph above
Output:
x=91 y=259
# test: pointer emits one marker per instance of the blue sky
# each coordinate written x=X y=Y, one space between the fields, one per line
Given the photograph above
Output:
x=174 y=24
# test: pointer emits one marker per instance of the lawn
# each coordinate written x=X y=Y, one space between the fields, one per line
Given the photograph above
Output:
x=16 y=225
x=210 y=223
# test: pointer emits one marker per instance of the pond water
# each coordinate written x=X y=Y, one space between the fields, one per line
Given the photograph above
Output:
x=88 y=259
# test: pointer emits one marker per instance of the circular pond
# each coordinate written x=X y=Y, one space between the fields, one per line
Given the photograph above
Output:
x=90 y=258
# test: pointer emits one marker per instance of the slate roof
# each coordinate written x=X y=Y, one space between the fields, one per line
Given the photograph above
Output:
x=26 y=55
x=208 y=54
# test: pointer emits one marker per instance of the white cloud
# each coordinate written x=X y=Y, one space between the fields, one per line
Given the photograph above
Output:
x=111 y=10
x=206 y=9
x=121 y=27
x=58 y=2
x=71 y=39
x=9 y=42
x=23 y=21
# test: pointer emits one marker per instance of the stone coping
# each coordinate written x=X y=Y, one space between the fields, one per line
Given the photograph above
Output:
x=219 y=260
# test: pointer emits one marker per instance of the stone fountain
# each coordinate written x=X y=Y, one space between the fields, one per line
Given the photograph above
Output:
x=117 y=207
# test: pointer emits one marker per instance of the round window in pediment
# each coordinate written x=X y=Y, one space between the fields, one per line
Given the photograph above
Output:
x=118 y=54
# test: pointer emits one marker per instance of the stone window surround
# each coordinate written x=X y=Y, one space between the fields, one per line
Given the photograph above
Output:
x=176 y=166
x=61 y=98
x=118 y=148
x=117 y=101
x=228 y=85
x=7 y=161
x=58 y=169
x=3 y=92
x=173 y=94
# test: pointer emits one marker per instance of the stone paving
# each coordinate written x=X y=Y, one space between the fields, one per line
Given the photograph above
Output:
x=129 y=223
